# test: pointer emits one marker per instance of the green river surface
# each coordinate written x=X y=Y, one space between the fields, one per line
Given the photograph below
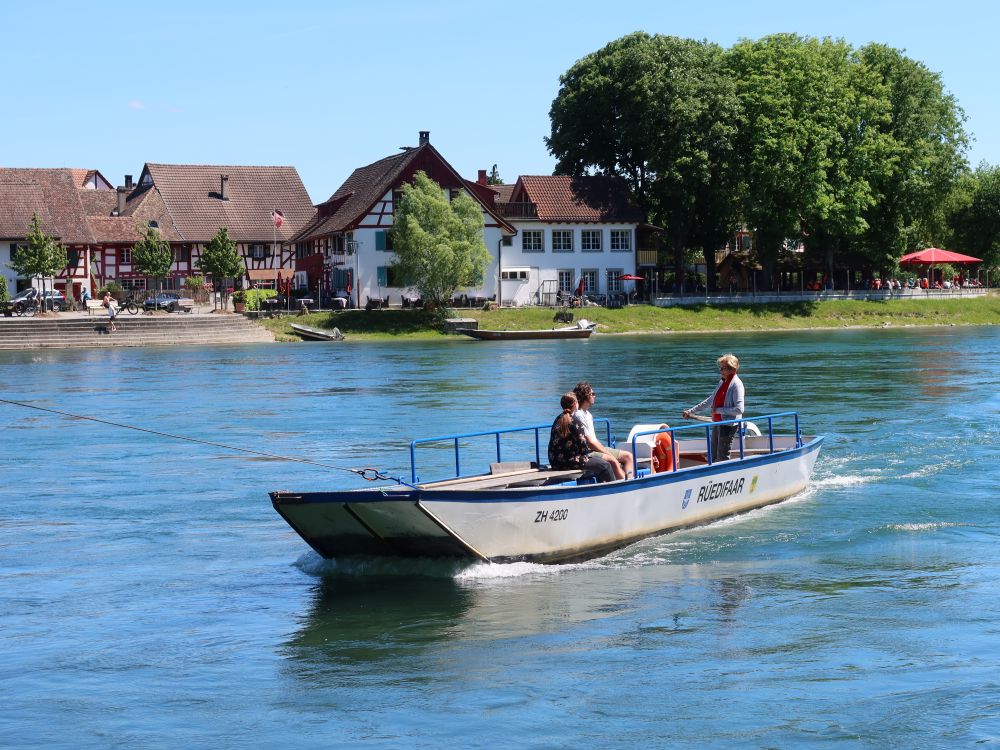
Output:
x=150 y=597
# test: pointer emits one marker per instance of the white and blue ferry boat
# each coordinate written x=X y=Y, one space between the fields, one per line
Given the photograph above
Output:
x=524 y=510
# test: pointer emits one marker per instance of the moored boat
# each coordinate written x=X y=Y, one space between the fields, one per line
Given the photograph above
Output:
x=317 y=334
x=523 y=510
x=580 y=330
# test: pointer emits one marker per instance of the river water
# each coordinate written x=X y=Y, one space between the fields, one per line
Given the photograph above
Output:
x=150 y=597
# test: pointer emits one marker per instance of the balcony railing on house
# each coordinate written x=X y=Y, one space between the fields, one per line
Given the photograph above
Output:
x=518 y=210
x=645 y=258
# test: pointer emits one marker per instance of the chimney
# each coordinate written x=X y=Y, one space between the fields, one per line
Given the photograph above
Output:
x=425 y=137
x=223 y=184
x=482 y=177
x=122 y=191
x=128 y=182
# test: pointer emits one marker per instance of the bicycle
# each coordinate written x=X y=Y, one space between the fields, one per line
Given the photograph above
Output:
x=26 y=308
x=130 y=305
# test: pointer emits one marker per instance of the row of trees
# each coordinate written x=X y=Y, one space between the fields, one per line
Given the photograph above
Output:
x=43 y=257
x=857 y=153
x=152 y=256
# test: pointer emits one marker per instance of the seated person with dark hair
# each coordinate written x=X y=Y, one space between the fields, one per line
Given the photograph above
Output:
x=621 y=461
x=568 y=447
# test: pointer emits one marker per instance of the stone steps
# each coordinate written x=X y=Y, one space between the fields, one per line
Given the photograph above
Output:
x=138 y=330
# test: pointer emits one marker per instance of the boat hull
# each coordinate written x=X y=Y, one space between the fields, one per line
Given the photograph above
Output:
x=541 y=524
x=316 y=334
x=546 y=333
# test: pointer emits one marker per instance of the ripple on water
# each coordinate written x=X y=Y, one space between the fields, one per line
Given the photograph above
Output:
x=151 y=596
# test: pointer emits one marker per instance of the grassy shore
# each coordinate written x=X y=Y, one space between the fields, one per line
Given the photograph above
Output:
x=411 y=324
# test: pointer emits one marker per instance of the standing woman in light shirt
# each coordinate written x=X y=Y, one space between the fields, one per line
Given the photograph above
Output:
x=726 y=402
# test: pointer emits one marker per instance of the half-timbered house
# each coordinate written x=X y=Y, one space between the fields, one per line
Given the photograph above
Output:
x=188 y=204
x=350 y=239
x=61 y=199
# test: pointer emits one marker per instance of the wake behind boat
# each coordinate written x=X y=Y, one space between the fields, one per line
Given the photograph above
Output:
x=580 y=330
x=524 y=510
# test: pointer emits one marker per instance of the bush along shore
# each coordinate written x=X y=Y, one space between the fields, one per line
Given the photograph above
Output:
x=646 y=319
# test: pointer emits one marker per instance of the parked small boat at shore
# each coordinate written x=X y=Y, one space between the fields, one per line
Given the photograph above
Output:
x=317 y=334
x=524 y=510
x=582 y=329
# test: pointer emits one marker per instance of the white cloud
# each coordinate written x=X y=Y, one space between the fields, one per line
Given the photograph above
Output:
x=136 y=104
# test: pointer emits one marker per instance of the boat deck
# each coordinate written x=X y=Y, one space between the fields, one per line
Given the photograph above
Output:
x=530 y=477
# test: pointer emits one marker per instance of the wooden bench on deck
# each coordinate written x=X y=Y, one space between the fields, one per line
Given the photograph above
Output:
x=511 y=474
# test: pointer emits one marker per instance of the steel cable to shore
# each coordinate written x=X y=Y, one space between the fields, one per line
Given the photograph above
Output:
x=369 y=474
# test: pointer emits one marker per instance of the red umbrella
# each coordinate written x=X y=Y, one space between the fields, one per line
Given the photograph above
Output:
x=631 y=277
x=933 y=255
x=580 y=288
x=936 y=255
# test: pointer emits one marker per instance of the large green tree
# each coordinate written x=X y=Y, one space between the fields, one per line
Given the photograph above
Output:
x=152 y=255
x=661 y=113
x=43 y=257
x=924 y=159
x=221 y=260
x=976 y=222
x=438 y=243
x=603 y=115
x=804 y=142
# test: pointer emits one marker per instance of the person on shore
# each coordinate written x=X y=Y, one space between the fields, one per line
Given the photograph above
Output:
x=568 y=447
x=726 y=403
x=109 y=302
x=621 y=461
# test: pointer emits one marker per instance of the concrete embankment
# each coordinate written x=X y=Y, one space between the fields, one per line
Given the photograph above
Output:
x=66 y=330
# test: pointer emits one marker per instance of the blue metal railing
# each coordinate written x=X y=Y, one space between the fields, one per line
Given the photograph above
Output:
x=536 y=429
x=497 y=433
x=708 y=434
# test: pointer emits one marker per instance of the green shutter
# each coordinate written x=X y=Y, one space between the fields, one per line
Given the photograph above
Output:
x=380 y=239
x=383 y=273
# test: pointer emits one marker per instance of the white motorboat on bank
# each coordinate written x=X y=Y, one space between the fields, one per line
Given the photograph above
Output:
x=523 y=510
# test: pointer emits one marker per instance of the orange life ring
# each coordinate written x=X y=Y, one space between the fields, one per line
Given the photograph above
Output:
x=663 y=453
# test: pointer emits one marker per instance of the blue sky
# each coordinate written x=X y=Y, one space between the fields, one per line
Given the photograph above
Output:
x=327 y=87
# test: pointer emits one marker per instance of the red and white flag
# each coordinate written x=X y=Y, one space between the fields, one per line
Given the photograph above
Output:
x=279 y=218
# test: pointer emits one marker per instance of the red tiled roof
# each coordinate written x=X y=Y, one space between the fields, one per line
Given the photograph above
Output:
x=114 y=229
x=147 y=205
x=98 y=202
x=82 y=176
x=190 y=195
x=50 y=193
x=368 y=184
x=358 y=193
x=79 y=176
x=503 y=192
x=578 y=199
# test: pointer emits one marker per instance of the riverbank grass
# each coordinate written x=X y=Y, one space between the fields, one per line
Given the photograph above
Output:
x=418 y=324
